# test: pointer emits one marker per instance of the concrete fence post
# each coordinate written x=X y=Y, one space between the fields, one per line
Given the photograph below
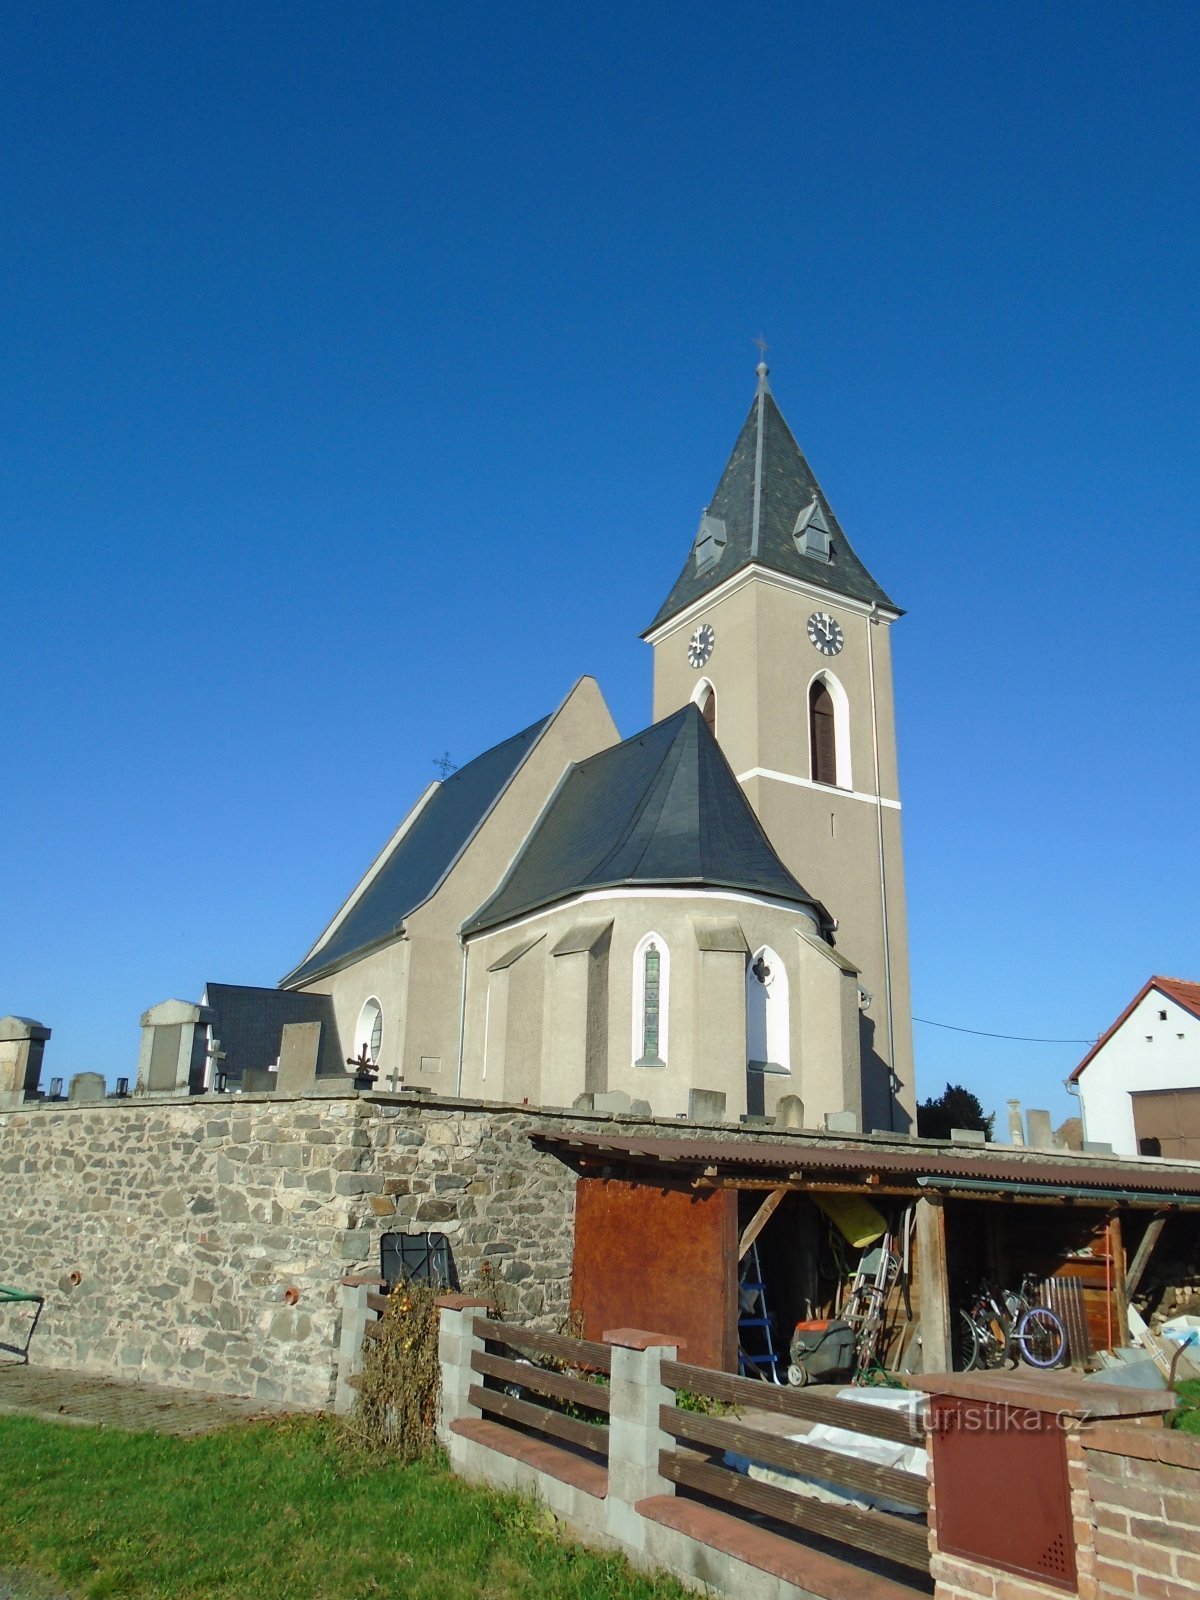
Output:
x=635 y=1438
x=355 y=1316
x=457 y=1342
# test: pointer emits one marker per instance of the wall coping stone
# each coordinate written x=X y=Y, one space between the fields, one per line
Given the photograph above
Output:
x=638 y=1339
x=1045 y=1391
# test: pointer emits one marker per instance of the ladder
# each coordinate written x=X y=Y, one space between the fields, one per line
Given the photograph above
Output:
x=757 y=1356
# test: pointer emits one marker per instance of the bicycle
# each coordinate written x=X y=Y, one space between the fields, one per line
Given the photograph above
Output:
x=1003 y=1326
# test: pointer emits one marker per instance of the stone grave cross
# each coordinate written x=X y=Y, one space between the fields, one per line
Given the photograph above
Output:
x=215 y=1057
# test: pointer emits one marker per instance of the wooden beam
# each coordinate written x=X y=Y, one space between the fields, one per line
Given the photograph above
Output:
x=760 y=1219
x=1141 y=1256
x=1120 y=1304
x=933 y=1286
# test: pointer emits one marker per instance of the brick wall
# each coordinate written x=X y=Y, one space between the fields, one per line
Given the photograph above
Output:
x=1135 y=1505
x=1144 y=1489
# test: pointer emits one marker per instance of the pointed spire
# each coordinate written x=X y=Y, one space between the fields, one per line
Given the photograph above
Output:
x=765 y=501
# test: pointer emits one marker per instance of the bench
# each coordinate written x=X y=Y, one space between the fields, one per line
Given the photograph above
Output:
x=11 y=1296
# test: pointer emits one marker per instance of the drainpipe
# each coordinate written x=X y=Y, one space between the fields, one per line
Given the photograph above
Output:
x=872 y=624
x=462 y=1017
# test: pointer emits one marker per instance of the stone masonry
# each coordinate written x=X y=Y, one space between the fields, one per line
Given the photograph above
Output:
x=203 y=1241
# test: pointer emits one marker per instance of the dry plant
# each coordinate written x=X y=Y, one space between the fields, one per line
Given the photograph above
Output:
x=401 y=1378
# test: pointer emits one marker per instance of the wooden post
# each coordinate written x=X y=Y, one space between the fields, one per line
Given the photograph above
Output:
x=1141 y=1256
x=1120 y=1305
x=936 y=1346
x=760 y=1219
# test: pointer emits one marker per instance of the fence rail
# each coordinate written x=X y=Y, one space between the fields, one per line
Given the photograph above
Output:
x=877 y=1532
x=803 y=1404
x=582 y=1354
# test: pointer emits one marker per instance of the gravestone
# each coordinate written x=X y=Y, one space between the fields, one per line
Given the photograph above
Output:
x=613 y=1101
x=841 y=1122
x=86 y=1088
x=789 y=1111
x=172 y=1058
x=1016 y=1126
x=968 y=1136
x=706 y=1105
x=1041 y=1134
x=22 y=1043
x=299 y=1051
x=259 y=1080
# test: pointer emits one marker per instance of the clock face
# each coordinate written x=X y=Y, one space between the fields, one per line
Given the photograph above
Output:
x=700 y=645
x=825 y=633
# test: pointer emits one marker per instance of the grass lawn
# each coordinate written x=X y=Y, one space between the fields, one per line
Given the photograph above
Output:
x=279 y=1510
x=1188 y=1415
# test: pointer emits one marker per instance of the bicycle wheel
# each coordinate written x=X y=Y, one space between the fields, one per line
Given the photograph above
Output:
x=967 y=1343
x=1040 y=1338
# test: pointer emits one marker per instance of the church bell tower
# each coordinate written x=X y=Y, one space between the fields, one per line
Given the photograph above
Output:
x=781 y=636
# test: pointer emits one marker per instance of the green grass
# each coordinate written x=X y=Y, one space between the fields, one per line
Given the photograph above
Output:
x=1187 y=1416
x=279 y=1510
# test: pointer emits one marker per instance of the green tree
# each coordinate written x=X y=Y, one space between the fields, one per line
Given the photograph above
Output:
x=956 y=1108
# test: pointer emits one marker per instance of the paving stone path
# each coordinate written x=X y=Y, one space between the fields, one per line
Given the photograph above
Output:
x=56 y=1396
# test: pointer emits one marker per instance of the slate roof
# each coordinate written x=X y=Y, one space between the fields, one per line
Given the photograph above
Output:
x=1182 y=990
x=662 y=809
x=760 y=509
x=249 y=1022
x=422 y=856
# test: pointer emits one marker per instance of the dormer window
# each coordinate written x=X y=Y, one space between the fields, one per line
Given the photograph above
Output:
x=710 y=541
x=812 y=532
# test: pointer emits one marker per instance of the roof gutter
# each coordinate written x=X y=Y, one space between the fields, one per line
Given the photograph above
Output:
x=1063 y=1191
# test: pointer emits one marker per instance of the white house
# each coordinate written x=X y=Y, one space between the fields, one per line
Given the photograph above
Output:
x=1139 y=1084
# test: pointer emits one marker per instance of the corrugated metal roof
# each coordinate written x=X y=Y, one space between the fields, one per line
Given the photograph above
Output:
x=817 y=1154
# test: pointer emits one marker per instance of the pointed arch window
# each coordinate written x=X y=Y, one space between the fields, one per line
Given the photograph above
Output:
x=768 y=1023
x=368 y=1034
x=829 y=732
x=651 y=986
x=822 y=733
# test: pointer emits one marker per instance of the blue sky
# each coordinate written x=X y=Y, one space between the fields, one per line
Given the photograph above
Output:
x=366 y=369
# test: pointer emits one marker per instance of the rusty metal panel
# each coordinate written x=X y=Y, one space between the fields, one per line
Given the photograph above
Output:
x=1000 y=1488
x=662 y=1258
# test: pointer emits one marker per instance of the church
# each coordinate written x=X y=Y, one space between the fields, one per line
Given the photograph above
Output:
x=716 y=903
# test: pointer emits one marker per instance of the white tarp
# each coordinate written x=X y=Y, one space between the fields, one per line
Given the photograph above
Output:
x=864 y=1447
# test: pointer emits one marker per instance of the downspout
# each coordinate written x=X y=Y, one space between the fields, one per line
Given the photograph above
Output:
x=872 y=624
x=462 y=1017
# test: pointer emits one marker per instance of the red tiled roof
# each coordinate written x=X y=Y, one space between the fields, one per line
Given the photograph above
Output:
x=1179 y=989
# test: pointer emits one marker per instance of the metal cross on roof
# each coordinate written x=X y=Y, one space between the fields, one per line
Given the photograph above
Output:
x=444 y=765
x=763 y=347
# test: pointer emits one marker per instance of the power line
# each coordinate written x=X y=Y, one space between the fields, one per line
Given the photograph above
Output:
x=980 y=1033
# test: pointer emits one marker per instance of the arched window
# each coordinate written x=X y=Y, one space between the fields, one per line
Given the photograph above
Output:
x=705 y=697
x=368 y=1034
x=651 y=983
x=829 y=731
x=768 y=1025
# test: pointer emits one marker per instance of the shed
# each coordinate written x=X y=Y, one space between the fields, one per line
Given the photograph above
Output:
x=666 y=1227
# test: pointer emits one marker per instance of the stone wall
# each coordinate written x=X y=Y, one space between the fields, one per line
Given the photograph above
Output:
x=203 y=1241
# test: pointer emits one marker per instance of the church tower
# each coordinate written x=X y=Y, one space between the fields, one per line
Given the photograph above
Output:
x=781 y=637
